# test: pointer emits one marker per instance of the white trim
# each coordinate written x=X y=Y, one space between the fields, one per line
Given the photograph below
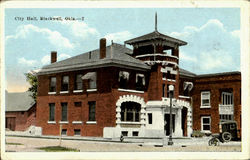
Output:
x=157 y=54
x=207 y=131
x=64 y=122
x=91 y=90
x=63 y=92
x=205 y=106
x=171 y=80
x=130 y=90
x=185 y=97
x=51 y=92
x=163 y=62
x=127 y=122
x=91 y=122
x=51 y=122
x=77 y=91
x=76 y=122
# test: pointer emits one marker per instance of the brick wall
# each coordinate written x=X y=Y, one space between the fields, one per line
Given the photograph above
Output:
x=23 y=119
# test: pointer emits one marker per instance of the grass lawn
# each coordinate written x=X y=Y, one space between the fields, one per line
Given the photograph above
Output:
x=14 y=143
x=58 y=149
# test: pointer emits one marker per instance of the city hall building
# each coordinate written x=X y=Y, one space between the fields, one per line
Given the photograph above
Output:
x=114 y=91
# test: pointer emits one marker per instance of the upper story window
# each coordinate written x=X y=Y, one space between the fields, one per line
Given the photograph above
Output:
x=78 y=82
x=52 y=86
x=91 y=77
x=92 y=111
x=227 y=98
x=169 y=75
x=123 y=79
x=140 y=81
x=205 y=99
x=65 y=83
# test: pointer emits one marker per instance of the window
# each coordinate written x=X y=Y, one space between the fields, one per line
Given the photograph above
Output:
x=123 y=79
x=78 y=104
x=163 y=90
x=170 y=76
x=140 y=81
x=125 y=133
x=130 y=111
x=52 y=112
x=150 y=118
x=78 y=82
x=64 y=111
x=205 y=123
x=227 y=98
x=52 y=87
x=205 y=99
x=77 y=132
x=92 y=107
x=64 y=132
x=65 y=83
x=135 y=133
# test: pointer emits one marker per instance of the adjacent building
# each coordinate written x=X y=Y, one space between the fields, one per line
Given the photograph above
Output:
x=20 y=111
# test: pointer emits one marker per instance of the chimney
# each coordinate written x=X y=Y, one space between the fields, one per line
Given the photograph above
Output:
x=53 y=56
x=102 y=48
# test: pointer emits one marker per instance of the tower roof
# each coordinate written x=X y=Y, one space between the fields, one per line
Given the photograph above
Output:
x=155 y=36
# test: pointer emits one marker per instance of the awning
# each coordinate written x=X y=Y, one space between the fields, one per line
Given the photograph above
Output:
x=89 y=75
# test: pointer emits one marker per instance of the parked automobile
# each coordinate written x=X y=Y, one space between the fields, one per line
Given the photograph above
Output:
x=228 y=132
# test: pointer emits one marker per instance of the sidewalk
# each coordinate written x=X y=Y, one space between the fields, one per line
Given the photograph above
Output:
x=141 y=141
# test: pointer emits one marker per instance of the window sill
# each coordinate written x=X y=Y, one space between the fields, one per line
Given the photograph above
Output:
x=64 y=122
x=123 y=122
x=51 y=92
x=185 y=97
x=77 y=91
x=205 y=106
x=77 y=122
x=129 y=90
x=206 y=131
x=51 y=122
x=91 y=90
x=63 y=92
x=91 y=122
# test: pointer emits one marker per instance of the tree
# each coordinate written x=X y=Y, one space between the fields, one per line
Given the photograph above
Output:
x=32 y=79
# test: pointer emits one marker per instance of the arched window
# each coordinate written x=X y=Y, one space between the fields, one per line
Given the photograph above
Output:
x=130 y=111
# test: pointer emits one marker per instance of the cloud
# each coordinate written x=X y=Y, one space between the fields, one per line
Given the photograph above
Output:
x=23 y=61
x=211 y=48
x=46 y=59
x=119 y=36
x=54 y=37
x=80 y=29
x=236 y=33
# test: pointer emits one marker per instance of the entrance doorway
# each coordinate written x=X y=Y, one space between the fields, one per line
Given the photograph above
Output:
x=167 y=123
x=10 y=123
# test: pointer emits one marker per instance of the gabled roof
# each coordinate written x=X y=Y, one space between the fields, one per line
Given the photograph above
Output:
x=18 y=101
x=116 y=54
x=155 y=35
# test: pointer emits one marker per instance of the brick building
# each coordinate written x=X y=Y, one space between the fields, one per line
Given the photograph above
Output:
x=114 y=90
x=20 y=111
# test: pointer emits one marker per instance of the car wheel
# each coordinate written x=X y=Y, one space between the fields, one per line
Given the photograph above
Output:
x=226 y=136
x=213 y=142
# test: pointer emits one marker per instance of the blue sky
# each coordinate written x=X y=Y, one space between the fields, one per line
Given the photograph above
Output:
x=212 y=36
